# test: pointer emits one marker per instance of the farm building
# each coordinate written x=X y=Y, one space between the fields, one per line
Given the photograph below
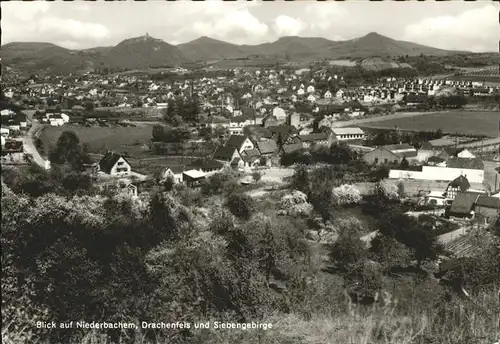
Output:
x=345 y=134
x=460 y=184
x=114 y=165
x=381 y=155
x=463 y=205
x=193 y=177
x=404 y=149
x=320 y=139
x=208 y=166
x=225 y=154
x=487 y=206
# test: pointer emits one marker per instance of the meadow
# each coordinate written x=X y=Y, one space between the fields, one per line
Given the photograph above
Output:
x=101 y=139
x=462 y=122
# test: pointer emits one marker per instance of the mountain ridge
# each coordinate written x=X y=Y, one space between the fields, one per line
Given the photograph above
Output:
x=146 y=51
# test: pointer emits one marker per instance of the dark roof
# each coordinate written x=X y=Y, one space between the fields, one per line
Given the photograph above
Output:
x=204 y=164
x=473 y=164
x=399 y=147
x=11 y=145
x=488 y=202
x=291 y=147
x=460 y=182
x=224 y=153
x=176 y=169
x=314 y=137
x=415 y=98
x=250 y=155
x=257 y=131
x=284 y=130
x=463 y=203
x=435 y=159
x=267 y=147
x=235 y=141
x=407 y=154
x=109 y=160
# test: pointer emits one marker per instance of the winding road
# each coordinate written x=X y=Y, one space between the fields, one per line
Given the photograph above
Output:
x=30 y=148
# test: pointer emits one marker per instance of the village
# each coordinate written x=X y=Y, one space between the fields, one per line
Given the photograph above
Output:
x=255 y=118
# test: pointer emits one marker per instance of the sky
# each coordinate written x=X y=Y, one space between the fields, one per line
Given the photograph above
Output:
x=455 y=24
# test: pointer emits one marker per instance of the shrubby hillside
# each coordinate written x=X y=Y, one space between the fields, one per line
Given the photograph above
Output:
x=71 y=252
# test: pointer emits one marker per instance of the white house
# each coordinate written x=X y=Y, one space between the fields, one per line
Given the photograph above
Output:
x=339 y=94
x=311 y=98
x=64 y=117
x=279 y=113
x=466 y=154
x=300 y=92
x=114 y=165
x=173 y=172
x=6 y=112
x=310 y=89
x=327 y=95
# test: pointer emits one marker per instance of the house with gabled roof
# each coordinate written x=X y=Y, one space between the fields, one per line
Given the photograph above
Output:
x=114 y=165
x=318 y=139
x=345 y=134
x=174 y=172
x=226 y=154
x=463 y=205
x=239 y=142
x=459 y=184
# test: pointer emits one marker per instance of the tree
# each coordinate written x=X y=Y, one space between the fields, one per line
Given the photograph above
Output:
x=89 y=106
x=423 y=242
x=300 y=179
x=347 y=251
x=68 y=150
x=241 y=205
x=256 y=176
x=404 y=164
x=158 y=133
x=389 y=252
x=321 y=200
x=364 y=282
x=381 y=173
x=401 y=190
x=341 y=153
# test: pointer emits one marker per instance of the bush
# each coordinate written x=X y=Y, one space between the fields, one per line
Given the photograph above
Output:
x=346 y=194
x=219 y=183
x=348 y=251
x=296 y=197
x=364 y=282
x=389 y=252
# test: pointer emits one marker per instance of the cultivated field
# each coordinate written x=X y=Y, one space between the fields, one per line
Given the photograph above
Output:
x=462 y=122
x=101 y=139
x=342 y=63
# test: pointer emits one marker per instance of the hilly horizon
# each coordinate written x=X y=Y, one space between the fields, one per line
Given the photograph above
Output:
x=146 y=51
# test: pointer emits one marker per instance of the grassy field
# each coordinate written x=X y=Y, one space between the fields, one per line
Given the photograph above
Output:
x=101 y=139
x=462 y=122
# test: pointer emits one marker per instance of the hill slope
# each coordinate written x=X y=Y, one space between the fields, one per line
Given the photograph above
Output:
x=206 y=48
x=143 y=52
